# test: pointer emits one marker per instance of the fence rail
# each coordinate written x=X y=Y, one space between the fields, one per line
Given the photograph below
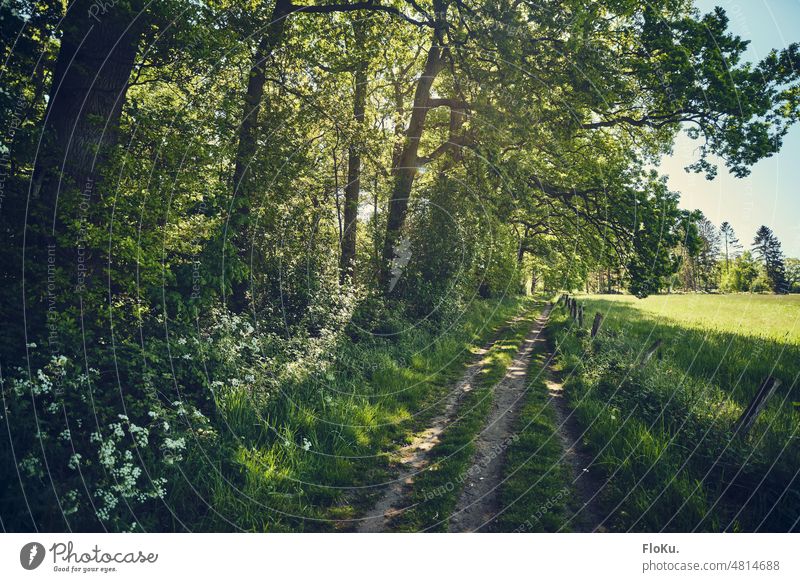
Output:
x=748 y=417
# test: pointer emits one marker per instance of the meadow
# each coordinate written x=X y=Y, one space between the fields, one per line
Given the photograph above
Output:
x=663 y=431
x=752 y=315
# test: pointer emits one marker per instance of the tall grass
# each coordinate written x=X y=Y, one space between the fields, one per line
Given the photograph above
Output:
x=663 y=431
x=310 y=458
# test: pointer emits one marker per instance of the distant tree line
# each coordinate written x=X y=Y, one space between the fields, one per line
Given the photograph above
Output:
x=712 y=259
x=715 y=260
x=200 y=201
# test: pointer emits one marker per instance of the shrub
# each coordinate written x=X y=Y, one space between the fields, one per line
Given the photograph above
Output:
x=81 y=463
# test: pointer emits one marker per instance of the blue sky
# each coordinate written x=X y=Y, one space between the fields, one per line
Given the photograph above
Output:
x=771 y=194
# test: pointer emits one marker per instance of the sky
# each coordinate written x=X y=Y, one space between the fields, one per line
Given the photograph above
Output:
x=771 y=194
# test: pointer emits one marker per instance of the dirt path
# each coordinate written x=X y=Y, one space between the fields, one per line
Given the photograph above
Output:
x=477 y=505
x=415 y=456
x=586 y=483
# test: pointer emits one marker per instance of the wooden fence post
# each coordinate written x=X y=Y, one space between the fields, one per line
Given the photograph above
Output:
x=650 y=351
x=748 y=417
x=598 y=320
x=580 y=316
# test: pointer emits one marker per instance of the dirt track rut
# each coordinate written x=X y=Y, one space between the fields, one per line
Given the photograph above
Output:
x=477 y=504
x=415 y=456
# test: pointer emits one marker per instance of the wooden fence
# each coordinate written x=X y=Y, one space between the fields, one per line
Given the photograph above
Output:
x=748 y=417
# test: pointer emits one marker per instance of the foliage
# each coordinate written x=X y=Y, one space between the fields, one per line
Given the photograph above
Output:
x=742 y=273
x=179 y=184
x=793 y=275
x=663 y=432
x=730 y=245
x=767 y=249
x=109 y=469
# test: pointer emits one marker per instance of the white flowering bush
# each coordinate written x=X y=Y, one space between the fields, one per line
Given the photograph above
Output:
x=232 y=355
x=86 y=459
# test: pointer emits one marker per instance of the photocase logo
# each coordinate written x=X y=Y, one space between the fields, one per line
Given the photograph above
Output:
x=402 y=255
x=31 y=555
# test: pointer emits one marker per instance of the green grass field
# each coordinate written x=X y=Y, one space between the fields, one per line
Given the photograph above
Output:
x=663 y=431
x=770 y=316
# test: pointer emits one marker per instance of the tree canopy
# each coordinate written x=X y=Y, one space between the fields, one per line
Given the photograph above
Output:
x=312 y=168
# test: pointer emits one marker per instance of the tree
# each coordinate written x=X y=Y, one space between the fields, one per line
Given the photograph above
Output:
x=730 y=244
x=409 y=161
x=793 y=275
x=767 y=249
x=85 y=102
x=100 y=49
x=621 y=74
x=271 y=34
x=707 y=256
x=87 y=94
x=690 y=247
x=743 y=272
x=352 y=190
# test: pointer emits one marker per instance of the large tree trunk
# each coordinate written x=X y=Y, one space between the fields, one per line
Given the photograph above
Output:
x=523 y=241
x=243 y=190
x=248 y=134
x=89 y=86
x=347 y=263
x=88 y=92
x=406 y=168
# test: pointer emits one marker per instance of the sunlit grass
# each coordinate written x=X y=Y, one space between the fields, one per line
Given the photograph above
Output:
x=436 y=490
x=307 y=460
x=664 y=431
x=768 y=316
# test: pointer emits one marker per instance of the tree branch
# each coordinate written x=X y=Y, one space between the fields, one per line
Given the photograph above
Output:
x=453 y=143
x=448 y=102
x=654 y=121
x=355 y=6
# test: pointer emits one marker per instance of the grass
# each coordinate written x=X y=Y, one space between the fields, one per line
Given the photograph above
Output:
x=310 y=460
x=710 y=344
x=663 y=431
x=775 y=317
x=436 y=490
x=537 y=488
x=307 y=461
